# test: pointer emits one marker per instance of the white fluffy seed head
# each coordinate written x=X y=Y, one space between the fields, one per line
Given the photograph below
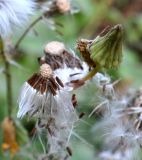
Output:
x=13 y=13
x=46 y=71
x=63 y=5
x=54 y=47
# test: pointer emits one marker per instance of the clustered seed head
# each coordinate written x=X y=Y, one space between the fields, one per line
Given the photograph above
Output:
x=54 y=47
x=45 y=70
x=63 y=5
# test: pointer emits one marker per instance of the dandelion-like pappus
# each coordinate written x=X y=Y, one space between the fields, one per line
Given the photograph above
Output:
x=48 y=97
x=14 y=13
x=122 y=128
x=36 y=90
x=65 y=64
x=58 y=57
x=45 y=97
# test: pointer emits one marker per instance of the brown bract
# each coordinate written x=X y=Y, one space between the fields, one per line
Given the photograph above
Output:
x=82 y=47
x=44 y=81
x=57 y=57
x=44 y=85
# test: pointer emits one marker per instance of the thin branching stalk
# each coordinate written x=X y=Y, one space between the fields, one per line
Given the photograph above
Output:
x=46 y=14
x=27 y=31
x=8 y=80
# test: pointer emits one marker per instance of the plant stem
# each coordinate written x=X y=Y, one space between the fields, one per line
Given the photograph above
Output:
x=8 y=80
x=78 y=83
x=91 y=74
x=27 y=30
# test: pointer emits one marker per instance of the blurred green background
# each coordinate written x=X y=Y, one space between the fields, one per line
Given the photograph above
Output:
x=92 y=18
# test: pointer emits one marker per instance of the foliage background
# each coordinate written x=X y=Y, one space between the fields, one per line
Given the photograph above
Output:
x=93 y=16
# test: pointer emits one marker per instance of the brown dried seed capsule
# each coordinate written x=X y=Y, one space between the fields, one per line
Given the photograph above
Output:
x=69 y=151
x=81 y=115
x=74 y=100
x=59 y=82
x=71 y=75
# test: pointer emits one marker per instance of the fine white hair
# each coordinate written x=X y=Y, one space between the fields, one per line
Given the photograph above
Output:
x=14 y=13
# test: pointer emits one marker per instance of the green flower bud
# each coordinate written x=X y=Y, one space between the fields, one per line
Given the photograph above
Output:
x=106 y=50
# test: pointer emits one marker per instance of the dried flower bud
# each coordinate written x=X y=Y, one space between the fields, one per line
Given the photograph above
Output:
x=55 y=48
x=106 y=51
x=63 y=5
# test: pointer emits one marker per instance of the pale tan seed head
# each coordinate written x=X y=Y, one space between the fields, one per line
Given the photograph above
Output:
x=54 y=47
x=63 y=5
x=45 y=70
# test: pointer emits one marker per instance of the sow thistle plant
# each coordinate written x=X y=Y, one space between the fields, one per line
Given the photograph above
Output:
x=48 y=96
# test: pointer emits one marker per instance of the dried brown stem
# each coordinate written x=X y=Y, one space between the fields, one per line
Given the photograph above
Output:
x=8 y=79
